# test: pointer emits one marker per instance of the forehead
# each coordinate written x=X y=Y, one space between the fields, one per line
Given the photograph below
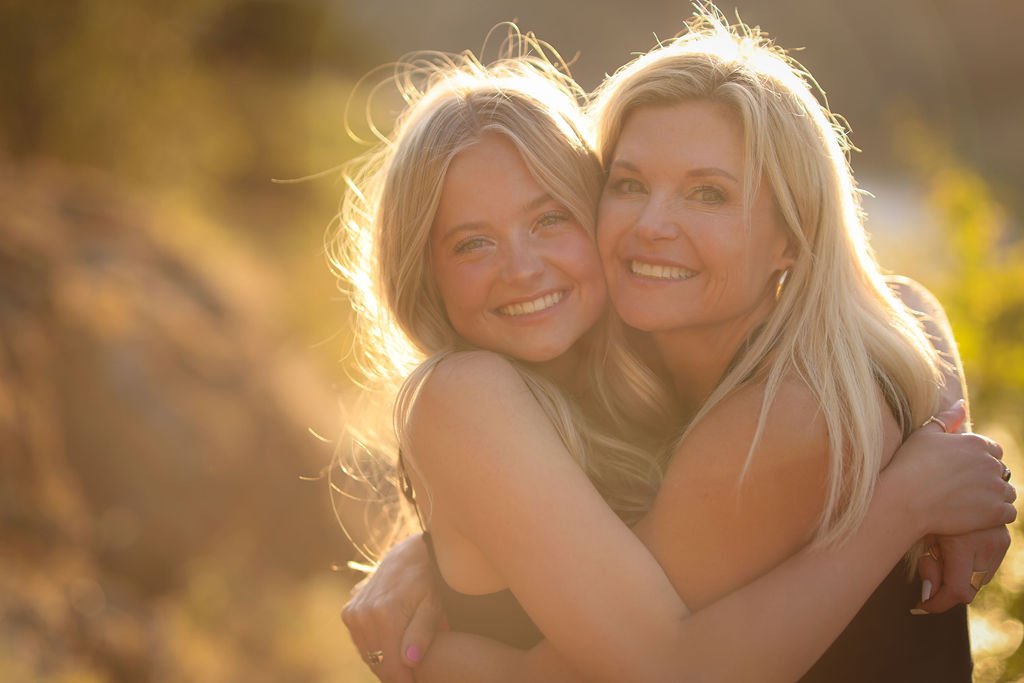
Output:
x=485 y=181
x=693 y=132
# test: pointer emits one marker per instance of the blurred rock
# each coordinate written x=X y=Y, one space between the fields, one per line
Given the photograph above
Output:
x=148 y=421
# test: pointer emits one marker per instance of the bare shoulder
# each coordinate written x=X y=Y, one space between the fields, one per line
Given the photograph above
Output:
x=466 y=379
x=794 y=431
x=468 y=413
x=470 y=368
x=916 y=297
x=741 y=510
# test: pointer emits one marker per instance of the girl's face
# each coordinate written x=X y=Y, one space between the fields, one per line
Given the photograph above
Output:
x=518 y=274
x=678 y=249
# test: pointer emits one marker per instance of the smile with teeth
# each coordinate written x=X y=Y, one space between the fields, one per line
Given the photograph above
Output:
x=660 y=272
x=536 y=306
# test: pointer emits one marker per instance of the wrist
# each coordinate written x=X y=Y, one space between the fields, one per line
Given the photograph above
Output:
x=901 y=502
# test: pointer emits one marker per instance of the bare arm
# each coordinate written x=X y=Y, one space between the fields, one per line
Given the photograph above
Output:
x=530 y=501
x=936 y=325
x=949 y=580
x=788 y=617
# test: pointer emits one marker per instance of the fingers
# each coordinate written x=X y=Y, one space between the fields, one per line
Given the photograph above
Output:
x=376 y=645
x=421 y=629
x=968 y=562
x=955 y=588
x=949 y=420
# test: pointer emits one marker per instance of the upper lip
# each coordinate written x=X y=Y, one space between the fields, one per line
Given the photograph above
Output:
x=657 y=261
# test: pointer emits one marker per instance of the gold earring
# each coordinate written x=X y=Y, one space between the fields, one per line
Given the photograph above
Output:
x=781 y=284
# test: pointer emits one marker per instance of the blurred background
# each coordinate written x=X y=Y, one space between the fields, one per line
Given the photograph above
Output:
x=171 y=338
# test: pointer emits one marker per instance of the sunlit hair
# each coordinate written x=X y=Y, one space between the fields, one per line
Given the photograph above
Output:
x=837 y=326
x=382 y=250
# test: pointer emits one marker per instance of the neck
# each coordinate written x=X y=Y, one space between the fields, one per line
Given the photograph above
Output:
x=565 y=370
x=698 y=357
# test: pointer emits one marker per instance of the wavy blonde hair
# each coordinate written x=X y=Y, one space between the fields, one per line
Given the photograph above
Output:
x=836 y=326
x=381 y=251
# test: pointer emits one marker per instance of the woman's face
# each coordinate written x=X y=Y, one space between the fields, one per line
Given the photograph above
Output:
x=518 y=274
x=677 y=249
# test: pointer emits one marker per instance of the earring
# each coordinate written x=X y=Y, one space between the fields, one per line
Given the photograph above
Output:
x=781 y=283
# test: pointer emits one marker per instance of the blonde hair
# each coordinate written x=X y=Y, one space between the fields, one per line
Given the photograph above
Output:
x=836 y=326
x=381 y=252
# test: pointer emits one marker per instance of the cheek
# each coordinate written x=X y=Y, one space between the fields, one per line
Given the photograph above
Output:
x=583 y=261
x=461 y=294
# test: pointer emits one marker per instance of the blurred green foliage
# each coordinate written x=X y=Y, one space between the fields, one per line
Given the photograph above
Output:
x=973 y=260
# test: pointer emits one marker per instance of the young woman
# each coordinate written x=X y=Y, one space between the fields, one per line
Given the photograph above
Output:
x=482 y=222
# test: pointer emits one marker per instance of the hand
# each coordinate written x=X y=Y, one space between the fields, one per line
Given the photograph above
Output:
x=953 y=481
x=395 y=611
x=958 y=557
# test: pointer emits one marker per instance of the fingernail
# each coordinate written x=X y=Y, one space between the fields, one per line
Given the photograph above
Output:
x=926 y=590
x=413 y=654
x=917 y=611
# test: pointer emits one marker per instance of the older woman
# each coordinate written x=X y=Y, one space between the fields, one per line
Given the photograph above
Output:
x=793 y=407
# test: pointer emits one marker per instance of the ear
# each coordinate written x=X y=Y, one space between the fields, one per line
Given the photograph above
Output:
x=787 y=258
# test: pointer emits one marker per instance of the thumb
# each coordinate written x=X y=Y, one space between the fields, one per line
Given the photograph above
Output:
x=952 y=418
x=421 y=629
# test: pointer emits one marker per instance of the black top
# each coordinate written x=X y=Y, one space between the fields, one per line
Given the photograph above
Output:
x=885 y=642
x=497 y=616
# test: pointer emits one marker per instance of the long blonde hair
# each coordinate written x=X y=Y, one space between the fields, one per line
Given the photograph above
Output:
x=381 y=252
x=836 y=326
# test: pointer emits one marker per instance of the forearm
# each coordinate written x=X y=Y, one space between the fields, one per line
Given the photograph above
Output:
x=771 y=630
x=455 y=657
x=786 y=619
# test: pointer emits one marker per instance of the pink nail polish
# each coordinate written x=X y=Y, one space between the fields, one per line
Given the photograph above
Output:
x=413 y=654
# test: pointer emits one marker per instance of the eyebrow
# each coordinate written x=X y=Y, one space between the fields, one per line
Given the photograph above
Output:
x=469 y=226
x=692 y=173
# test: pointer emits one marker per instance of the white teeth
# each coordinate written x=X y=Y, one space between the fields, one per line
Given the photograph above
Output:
x=660 y=272
x=535 y=306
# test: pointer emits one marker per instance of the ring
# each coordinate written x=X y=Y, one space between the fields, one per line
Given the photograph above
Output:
x=1005 y=476
x=376 y=657
x=936 y=421
x=978 y=580
x=930 y=552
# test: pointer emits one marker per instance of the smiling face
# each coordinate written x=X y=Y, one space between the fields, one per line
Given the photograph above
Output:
x=517 y=273
x=677 y=247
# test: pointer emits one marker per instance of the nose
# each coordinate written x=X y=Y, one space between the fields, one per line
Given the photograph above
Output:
x=658 y=220
x=522 y=261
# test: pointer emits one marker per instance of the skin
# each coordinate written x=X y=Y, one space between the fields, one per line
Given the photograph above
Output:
x=517 y=271
x=498 y=486
x=687 y=263
x=682 y=261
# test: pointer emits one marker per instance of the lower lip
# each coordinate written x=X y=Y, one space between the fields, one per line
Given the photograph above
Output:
x=536 y=315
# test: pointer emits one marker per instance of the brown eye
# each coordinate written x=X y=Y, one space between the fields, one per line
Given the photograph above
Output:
x=550 y=220
x=626 y=186
x=471 y=244
x=708 y=195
